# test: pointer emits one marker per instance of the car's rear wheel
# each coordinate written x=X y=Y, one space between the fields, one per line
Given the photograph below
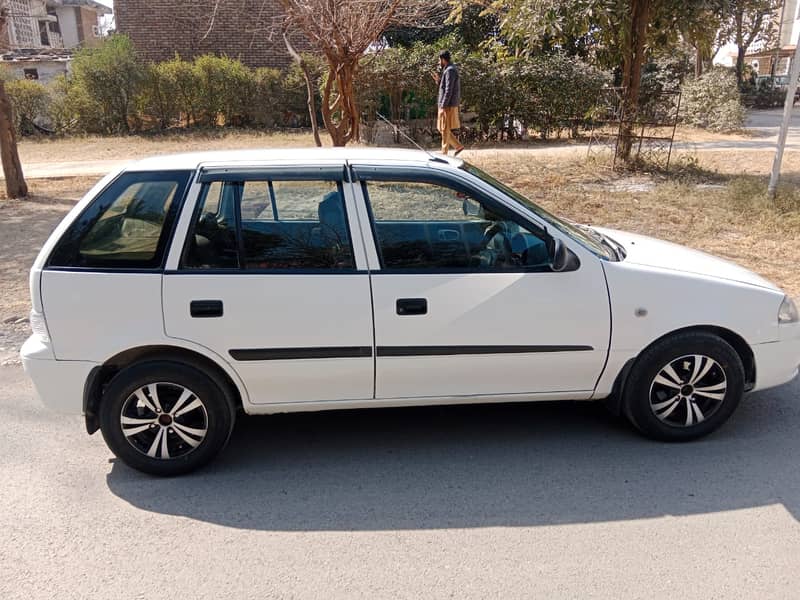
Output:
x=165 y=418
x=684 y=387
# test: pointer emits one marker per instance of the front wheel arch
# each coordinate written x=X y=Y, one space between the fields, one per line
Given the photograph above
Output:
x=614 y=401
x=691 y=357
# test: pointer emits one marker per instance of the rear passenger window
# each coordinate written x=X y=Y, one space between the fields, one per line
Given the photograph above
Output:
x=270 y=225
x=128 y=225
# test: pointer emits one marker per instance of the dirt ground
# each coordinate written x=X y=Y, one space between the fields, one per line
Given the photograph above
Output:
x=712 y=200
x=91 y=147
x=24 y=227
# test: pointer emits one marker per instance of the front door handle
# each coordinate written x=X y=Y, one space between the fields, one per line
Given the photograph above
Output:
x=412 y=306
x=205 y=309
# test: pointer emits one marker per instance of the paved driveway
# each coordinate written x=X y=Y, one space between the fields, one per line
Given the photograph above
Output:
x=548 y=500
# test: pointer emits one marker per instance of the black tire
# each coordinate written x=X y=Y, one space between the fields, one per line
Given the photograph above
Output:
x=648 y=399
x=175 y=445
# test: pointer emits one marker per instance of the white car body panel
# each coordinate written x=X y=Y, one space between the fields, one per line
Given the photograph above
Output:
x=660 y=288
x=119 y=311
x=649 y=302
x=281 y=312
x=493 y=309
x=772 y=368
x=651 y=252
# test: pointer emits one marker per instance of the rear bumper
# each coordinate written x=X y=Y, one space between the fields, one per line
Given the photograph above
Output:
x=777 y=362
x=59 y=383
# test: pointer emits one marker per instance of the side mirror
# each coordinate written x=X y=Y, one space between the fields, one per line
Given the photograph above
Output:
x=470 y=208
x=563 y=258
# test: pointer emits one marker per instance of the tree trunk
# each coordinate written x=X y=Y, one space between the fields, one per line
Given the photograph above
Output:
x=340 y=114
x=632 y=74
x=741 y=46
x=698 y=62
x=312 y=105
x=12 y=169
x=740 y=65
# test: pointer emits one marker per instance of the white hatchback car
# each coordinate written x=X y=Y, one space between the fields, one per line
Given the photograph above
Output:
x=184 y=289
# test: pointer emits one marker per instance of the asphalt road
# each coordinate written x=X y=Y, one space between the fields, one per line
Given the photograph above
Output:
x=524 y=501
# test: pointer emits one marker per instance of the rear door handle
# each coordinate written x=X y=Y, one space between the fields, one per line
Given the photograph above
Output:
x=205 y=309
x=412 y=306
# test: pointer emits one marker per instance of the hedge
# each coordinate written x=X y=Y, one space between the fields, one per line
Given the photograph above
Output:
x=111 y=91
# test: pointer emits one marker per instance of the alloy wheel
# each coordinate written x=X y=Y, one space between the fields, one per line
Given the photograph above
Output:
x=688 y=390
x=164 y=420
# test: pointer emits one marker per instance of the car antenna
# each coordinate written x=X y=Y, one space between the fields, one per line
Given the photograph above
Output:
x=410 y=139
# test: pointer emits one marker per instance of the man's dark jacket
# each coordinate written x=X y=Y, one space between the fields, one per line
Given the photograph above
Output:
x=449 y=87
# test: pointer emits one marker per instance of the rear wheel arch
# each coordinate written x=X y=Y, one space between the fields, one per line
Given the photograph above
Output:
x=102 y=375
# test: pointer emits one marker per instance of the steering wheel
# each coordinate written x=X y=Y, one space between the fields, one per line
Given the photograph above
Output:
x=495 y=231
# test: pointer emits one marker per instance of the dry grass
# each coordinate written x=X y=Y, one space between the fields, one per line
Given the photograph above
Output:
x=42 y=150
x=715 y=211
x=92 y=147
x=743 y=162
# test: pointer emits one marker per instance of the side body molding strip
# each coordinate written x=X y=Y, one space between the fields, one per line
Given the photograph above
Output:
x=250 y=354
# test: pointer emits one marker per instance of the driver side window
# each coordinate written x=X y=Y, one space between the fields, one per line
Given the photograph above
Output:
x=428 y=226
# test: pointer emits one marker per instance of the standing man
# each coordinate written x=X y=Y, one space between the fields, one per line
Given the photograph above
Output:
x=449 y=101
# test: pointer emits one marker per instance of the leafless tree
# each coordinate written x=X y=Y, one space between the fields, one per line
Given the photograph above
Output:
x=16 y=187
x=341 y=31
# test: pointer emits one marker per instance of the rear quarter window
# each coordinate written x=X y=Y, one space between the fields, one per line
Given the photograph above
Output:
x=128 y=225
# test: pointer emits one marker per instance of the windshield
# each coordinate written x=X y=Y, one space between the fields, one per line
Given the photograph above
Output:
x=585 y=236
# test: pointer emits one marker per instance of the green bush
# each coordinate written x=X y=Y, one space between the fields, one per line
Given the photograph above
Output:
x=555 y=92
x=111 y=91
x=265 y=102
x=182 y=79
x=212 y=91
x=225 y=87
x=161 y=100
x=548 y=93
x=291 y=100
x=104 y=87
x=60 y=113
x=397 y=82
x=712 y=101
x=31 y=101
x=487 y=89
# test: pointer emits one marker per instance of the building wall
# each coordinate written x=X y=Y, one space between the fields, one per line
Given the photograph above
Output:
x=23 y=25
x=87 y=19
x=68 y=25
x=47 y=70
x=161 y=28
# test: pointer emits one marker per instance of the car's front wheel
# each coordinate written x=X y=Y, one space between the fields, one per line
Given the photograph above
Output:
x=684 y=387
x=165 y=418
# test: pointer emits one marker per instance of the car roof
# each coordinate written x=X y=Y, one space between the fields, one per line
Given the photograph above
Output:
x=354 y=153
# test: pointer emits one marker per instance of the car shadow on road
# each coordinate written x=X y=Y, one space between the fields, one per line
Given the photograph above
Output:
x=478 y=466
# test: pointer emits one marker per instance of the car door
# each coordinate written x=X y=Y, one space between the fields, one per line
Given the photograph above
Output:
x=270 y=278
x=465 y=300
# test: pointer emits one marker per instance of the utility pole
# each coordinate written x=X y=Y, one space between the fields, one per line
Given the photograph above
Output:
x=787 y=117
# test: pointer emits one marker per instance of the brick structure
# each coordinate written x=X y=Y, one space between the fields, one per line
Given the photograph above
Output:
x=243 y=29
